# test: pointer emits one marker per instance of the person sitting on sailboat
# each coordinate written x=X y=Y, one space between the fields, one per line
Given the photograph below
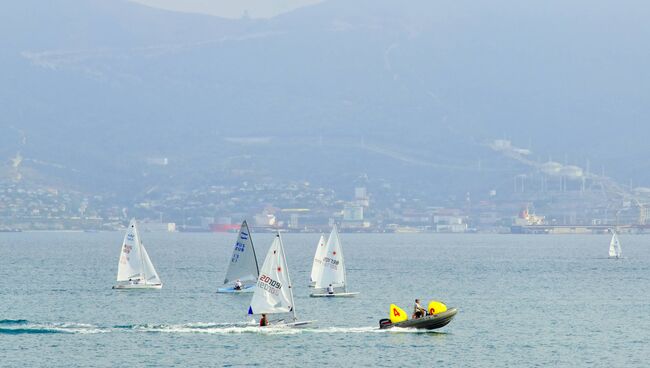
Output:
x=264 y=321
x=238 y=285
x=418 y=311
x=330 y=289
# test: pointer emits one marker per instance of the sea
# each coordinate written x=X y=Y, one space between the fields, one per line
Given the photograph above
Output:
x=523 y=300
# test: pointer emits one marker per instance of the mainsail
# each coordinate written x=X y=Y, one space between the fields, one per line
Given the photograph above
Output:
x=273 y=292
x=614 y=246
x=317 y=266
x=243 y=263
x=333 y=266
x=130 y=264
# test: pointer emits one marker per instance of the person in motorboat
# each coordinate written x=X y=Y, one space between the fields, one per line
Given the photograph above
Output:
x=418 y=311
x=238 y=285
x=330 y=289
x=264 y=321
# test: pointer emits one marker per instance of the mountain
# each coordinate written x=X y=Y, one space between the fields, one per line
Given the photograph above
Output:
x=96 y=92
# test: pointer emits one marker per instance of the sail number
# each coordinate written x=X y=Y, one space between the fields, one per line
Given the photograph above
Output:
x=239 y=247
x=269 y=284
x=330 y=263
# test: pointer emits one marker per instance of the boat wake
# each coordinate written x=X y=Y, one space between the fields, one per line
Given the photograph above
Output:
x=22 y=326
x=367 y=330
x=210 y=328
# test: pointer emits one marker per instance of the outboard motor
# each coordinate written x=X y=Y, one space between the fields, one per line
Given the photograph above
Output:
x=385 y=323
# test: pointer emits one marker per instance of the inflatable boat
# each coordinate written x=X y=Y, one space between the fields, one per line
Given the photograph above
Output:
x=430 y=322
x=437 y=315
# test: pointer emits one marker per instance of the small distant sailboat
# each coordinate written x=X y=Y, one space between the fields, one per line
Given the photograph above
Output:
x=135 y=270
x=243 y=264
x=273 y=293
x=321 y=250
x=614 y=246
x=331 y=270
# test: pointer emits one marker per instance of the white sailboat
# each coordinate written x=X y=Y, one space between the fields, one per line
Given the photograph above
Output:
x=243 y=264
x=135 y=270
x=273 y=293
x=318 y=261
x=331 y=271
x=614 y=246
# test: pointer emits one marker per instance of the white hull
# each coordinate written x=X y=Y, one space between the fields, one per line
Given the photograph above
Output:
x=296 y=324
x=335 y=295
x=137 y=286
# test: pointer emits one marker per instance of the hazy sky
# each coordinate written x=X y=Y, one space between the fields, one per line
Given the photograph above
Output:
x=231 y=9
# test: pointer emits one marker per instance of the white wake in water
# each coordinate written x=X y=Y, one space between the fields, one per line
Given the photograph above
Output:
x=249 y=327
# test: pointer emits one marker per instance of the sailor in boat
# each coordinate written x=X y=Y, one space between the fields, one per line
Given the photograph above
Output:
x=264 y=321
x=330 y=289
x=238 y=285
x=418 y=311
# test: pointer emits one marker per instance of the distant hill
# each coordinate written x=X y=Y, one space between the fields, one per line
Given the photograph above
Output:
x=93 y=91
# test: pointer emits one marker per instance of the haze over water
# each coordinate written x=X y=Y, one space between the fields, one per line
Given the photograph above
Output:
x=523 y=300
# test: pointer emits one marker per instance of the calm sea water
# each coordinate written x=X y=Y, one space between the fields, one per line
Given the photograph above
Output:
x=523 y=300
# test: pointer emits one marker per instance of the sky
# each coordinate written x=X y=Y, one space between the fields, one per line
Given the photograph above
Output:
x=231 y=9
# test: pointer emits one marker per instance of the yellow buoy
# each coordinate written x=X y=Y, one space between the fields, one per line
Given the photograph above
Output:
x=436 y=307
x=397 y=314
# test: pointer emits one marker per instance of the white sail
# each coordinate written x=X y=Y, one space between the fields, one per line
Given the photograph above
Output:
x=130 y=264
x=614 y=246
x=333 y=267
x=135 y=265
x=150 y=274
x=243 y=263
x=317 y=266
x=273 y=292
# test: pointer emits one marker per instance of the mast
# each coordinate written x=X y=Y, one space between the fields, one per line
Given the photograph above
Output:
x=284 y=258
x=252 y=247
x=345 y=274
x=137 y=234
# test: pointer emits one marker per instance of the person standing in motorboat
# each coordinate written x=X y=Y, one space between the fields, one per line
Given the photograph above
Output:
x=418 y=311
x=330 y=289
x=264 y=321
x=238 y=285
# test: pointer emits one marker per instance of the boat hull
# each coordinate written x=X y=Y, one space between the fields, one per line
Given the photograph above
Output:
x=231 y=290
x=299 y=324
x=295 y=324
x=137 y=286
x=335 y=295
x=425 y=323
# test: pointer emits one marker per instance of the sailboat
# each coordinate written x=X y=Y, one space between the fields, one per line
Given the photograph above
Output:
x=318 y=261
x=243 y=264
x=273 y=293
x=614 y=246
x=331 y=271
x=135 y=270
